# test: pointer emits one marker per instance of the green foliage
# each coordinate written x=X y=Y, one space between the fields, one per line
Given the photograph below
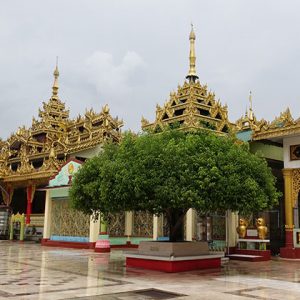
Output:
x=174 y=171
x=208 y=125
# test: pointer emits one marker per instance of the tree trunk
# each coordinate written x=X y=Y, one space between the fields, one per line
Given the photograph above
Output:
x=175 y=219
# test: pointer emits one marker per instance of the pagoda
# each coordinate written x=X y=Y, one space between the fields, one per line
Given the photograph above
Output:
x=192 y=106
x=29 y=157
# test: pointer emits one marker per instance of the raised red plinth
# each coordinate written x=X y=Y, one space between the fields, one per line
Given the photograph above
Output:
x=252 y=258
x=102 y=246
x=127 y=245
x=75 y=245
x=102 y=250
x=292 y=253
x=265 y=254
x=172 y=266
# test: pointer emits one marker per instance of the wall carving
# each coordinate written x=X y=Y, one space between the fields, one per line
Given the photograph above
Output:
x=116 y=224
x=296 y=186
x=143 y=224
x=68 y=222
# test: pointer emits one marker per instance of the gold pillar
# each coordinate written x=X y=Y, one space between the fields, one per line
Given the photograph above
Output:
x=288 y=198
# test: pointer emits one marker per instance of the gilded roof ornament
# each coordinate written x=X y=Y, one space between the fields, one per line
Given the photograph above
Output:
x=191 y=106
x=192 y=75
x=51 y=137
x=250 y=115
x=249 y=120
x=283 y=125
x=55 y=86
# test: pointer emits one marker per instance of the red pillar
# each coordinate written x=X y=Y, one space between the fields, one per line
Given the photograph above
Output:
x=29 y=192
x=289 y=239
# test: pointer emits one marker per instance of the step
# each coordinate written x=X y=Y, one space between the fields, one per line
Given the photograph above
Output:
x=247 y=257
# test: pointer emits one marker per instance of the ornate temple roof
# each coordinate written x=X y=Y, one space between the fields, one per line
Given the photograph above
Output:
x=37 y=152
x=192 y=106
x=249 y=120
x=281 y=126
x=248 y=128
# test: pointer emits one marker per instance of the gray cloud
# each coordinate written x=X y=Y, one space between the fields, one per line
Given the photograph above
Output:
x=131 y=54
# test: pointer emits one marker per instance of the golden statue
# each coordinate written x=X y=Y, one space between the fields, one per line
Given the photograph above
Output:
x=262 y=229
x=242 y=228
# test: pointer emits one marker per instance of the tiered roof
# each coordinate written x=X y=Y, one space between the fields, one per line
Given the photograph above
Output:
x=37 y=152
x=284 y=125
x=249 y=122
x=192 y=106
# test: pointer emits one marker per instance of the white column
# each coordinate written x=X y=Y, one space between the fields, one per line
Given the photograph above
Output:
x=231 y=225
x=189 y=224
x=94 y=229
x=128 y=223
x=155 y=227
x=47 y=218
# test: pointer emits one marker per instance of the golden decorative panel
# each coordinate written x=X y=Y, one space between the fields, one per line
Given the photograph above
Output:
x=142 y=224
x=68 y=222
x=116 y=224
x=294 y=152
x=295 y=186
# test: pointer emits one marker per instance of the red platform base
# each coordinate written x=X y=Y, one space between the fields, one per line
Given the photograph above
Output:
x=292 y=253
x=75 y=245
x=125 y=246
x=102 y=250
x=173 y=266
x=257 y=255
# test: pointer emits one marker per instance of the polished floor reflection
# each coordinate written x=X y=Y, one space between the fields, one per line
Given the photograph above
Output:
x=30 y=271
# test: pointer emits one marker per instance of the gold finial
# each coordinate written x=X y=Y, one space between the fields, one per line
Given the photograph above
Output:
x=250 y=116
x=55 y=84
x=105 y=109
x=192 y=76
x=52 y=153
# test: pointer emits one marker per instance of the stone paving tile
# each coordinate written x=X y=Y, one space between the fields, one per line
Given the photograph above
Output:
x=30 y=271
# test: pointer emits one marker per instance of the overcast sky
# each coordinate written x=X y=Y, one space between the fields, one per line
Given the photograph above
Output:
x=131 y=54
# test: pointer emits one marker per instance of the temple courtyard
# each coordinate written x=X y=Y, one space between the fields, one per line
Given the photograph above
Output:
x=30 y=271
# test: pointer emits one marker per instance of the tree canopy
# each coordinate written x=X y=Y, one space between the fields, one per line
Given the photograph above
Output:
x=171 y=172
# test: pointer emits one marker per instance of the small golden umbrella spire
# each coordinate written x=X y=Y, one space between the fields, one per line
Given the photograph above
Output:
x=251 y=115
x=55 y=86
x=192 y=76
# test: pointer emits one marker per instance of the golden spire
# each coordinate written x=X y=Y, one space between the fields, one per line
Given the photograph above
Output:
x=192 y=76
x=250 y=116
x=55 y=84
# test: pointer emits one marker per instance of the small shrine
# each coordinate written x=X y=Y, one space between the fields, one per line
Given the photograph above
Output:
x=63 y=225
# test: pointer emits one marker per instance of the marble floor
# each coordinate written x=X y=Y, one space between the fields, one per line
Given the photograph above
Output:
x=30 y=271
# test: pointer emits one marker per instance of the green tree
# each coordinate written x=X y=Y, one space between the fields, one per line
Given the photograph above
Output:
x=172 y=172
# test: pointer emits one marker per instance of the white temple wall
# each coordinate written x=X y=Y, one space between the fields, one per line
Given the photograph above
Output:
x=287 y=142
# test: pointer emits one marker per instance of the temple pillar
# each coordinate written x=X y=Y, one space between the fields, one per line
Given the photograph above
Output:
x=288 y=205
x=128 y=223
x=231 y=225
x=47 y=217
x=155 y=227
x=190 y=216
x=30 y=190
x=94 y=229
x=103 y=225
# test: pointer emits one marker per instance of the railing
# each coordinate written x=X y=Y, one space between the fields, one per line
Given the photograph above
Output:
x=37 y=220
